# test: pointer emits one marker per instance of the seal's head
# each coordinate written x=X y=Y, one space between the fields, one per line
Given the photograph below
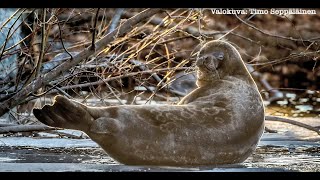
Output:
x=217 y=60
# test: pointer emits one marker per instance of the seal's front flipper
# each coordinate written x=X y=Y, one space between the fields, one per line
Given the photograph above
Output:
x=64 y=113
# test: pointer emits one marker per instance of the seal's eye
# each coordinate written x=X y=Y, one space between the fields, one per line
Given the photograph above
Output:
x=218 y=55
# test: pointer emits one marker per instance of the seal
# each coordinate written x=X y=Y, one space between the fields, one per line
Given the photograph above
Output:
x=220 y=122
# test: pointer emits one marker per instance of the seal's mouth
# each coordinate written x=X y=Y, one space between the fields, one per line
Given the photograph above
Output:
x=207 y=63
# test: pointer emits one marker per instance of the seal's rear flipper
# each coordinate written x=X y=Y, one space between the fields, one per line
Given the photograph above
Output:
x=38 y=113
x=64 y=113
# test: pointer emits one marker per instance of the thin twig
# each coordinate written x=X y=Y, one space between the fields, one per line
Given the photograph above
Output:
x=35 y=71
x=196 y=32
x=43 y=42
x=268 y=34
x=61 y=91
x=150 y=90
x=144 y=67
x=51 y=90
x=62 y=43
x=109 y=87
x=292 y=57
x=93 y=46
x=122 y=76
x=114 y=94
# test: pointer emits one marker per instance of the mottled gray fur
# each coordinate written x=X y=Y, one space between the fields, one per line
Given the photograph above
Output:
x=220 y=122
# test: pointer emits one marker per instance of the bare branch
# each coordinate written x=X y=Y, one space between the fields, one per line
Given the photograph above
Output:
x=275 y=94
x=62 y=43
x=116 y=19
x=93 y=47
x=143 y=67
x=102 y=43
x=61 y=91
x=120 y=77
x=290 y=121
x=25 y=128
x=43 y=42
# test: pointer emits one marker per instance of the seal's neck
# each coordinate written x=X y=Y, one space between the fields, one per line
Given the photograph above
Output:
x=205 y=78
x=236 y=71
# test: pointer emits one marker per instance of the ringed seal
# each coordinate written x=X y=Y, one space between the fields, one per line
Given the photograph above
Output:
x=220 y=122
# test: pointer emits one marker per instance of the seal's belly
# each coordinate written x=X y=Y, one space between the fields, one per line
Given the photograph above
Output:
x=197 y=147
